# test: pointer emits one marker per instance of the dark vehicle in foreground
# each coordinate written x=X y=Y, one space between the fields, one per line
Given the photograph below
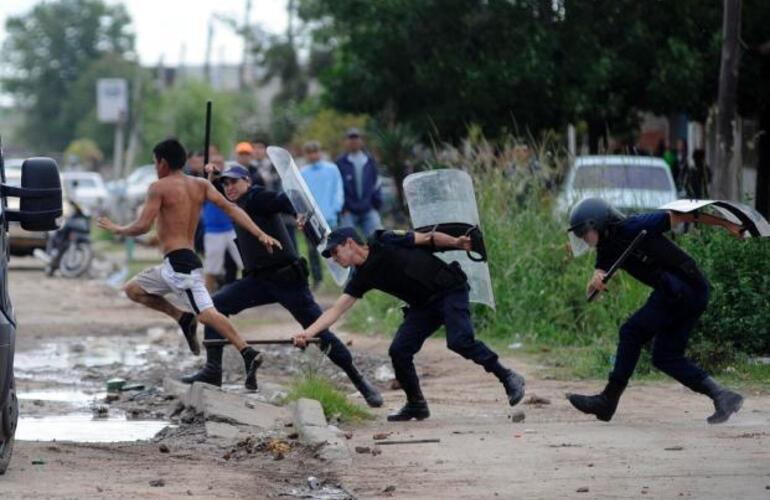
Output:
x=40 y=205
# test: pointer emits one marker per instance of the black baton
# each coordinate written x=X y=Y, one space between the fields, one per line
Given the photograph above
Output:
x=635 y=243
x=207 y=135
x=223 y=342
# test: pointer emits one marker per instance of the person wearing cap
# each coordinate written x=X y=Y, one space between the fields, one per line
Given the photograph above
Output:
x=325 y=183
x=244 y=156
x=361 y=183
x=218 y=235
x=402 y=264
x=277 y=277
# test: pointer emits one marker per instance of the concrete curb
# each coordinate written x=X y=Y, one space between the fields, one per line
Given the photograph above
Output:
x=230 y=415
x=313 y=429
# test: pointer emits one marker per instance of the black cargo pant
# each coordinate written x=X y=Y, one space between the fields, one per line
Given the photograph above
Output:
x=452 y=311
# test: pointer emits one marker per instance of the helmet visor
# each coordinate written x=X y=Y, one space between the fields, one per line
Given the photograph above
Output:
x=577 y=244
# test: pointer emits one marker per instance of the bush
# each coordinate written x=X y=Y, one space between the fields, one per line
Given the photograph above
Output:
x=737 y=321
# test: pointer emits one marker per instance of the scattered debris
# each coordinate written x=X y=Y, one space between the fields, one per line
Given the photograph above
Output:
x=384 y=373
x=100 y=411
x=313 y=483
x=348 y=434
x=517 y=416
x=363 y=449
x=568 y=445
x=376 y=450
x=389 y=489
x=582 y=489
x=111 y=397
x=163 y=448
x=38 y=461
x=537 y=400
x=515 y=346
x=115 y=384
x=381 y=435
x=674 y=448
x=157 y=483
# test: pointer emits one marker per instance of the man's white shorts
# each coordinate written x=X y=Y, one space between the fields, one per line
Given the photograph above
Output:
x=190 y=288
x=216 y=245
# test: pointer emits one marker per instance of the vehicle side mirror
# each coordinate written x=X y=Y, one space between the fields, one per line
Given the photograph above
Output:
x=40 y=195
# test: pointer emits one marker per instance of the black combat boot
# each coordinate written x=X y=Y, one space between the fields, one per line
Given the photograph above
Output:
x=416 y=407
x=252 y=360
x=602 y=405
x=368 y=391
x=412 y=409
x=726 y=402
x=513 y=383
x=189 y=326
x=211 y=373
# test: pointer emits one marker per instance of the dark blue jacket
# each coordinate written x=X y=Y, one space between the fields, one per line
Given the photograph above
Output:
x=372 y=198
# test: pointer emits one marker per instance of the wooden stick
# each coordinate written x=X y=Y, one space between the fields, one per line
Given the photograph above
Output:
x=223 y=342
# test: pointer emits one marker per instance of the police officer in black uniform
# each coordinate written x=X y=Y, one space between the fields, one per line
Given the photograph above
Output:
x=679 y=297
x=280 y=276
x=401 y=263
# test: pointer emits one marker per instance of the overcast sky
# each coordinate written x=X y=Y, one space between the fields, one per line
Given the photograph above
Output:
x=164 y=27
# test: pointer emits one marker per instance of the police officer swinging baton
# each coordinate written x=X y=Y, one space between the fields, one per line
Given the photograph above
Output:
x=615 y=266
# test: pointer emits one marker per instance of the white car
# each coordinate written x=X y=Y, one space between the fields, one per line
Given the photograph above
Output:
x=630 y=183
x=87 y=189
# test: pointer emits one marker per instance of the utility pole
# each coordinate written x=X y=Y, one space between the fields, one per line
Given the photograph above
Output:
x=727 y=168
x=207 y=61
x=242 y=73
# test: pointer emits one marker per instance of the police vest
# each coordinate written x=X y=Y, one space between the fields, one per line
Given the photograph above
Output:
x=655 y=256
x=433 y=275
x=253 y=253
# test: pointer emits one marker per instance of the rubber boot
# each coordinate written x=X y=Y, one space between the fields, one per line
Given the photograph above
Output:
x=602 y=405
x=416 y=407
x=726 y=402
x=211 y=373
x=189 y=326
x=368 y=391
x=252 y=360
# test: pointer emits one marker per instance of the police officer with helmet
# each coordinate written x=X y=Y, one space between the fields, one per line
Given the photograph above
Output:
x=679 y=296
x=402 y=264
x=279 y=276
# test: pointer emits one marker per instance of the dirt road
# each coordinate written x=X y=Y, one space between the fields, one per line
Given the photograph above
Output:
x=658 y=446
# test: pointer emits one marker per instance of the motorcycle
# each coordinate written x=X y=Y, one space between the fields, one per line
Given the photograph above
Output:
x=69 y=248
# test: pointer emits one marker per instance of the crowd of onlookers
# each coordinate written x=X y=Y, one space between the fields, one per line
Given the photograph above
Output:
x=347 y=190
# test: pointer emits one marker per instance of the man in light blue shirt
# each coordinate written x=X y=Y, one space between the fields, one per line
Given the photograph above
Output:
x=325 y=183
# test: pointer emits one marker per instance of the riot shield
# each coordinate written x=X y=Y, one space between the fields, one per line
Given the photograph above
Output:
x=738 y=213
x=445 y=199
x=316 y=228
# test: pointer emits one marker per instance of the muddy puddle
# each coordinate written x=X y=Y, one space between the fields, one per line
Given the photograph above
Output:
x=84 y=428
x=62 y=384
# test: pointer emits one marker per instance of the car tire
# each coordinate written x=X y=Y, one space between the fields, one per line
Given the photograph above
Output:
x=8 y=420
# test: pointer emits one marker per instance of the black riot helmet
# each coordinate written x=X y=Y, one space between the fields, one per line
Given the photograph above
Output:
x=587 y=214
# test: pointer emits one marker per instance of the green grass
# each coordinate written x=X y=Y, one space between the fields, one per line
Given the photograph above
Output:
x=334 y=402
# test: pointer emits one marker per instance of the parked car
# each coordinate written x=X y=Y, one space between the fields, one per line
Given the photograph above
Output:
x=129 y=193
x=39 y=193
x=630 y=183
x=87 y=189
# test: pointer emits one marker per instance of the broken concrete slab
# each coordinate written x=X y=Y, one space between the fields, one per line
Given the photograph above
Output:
x=229 y=431
x=195 y=396
x=310 y=423
x=235 y=408
x=176 y=388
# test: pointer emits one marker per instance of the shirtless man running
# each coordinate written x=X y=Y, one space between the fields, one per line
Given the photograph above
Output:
x=175 y=199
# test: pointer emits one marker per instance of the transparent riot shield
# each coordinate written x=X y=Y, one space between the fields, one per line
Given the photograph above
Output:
x=755 y=224
x=446 y=197
x=316 y=228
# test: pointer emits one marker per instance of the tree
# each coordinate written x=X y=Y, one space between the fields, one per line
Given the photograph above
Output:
x=440 y=64
x=47 y=49
x=180 y=112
